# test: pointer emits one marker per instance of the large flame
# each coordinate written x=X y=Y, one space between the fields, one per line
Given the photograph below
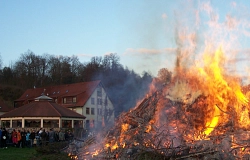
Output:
x=224 y=95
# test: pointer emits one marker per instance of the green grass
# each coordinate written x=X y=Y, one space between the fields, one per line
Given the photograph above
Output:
x=13 y=153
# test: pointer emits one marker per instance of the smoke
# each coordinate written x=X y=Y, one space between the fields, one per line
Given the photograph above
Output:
x=202 y=27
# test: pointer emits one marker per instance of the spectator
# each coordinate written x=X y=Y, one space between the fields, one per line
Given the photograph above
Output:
x=32 y=137
x=51 y=135
x=0 y=137
x=9 y=140
x=23 y=138
x=70 y=135
x=37 y=139
x=47 y=138
x=43 y=137
x=28 y=139
x=66 y=136
x=4 y=138
x=14 y=137
x=19 y=138
x=38 y=136
x=61 y=136
x=56 y=136
x=39 y=131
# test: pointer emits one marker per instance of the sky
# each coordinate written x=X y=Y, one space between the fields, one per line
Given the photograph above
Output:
x=145 y=34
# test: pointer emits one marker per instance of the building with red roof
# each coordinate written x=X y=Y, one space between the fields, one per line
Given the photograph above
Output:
x=86 y=98
x=42 y=113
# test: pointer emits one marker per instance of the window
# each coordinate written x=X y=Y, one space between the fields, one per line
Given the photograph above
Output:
x=74 y=99
x=108 y=112
x=99 y=92
x=49 y=123
x=92 y=100
x=17 y=123
x=33 y=123
x=6 y=124
x=68 y=100
x=99 y=110
x=87 y=110
x=99 y=101
x=93 y=111
x=87 y=124
x=66 y=123
x=78 y=124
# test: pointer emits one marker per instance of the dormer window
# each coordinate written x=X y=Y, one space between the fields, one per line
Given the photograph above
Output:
x=69 y=100
x=74 y=99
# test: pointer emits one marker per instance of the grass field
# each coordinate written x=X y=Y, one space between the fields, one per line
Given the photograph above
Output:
x=13 y=153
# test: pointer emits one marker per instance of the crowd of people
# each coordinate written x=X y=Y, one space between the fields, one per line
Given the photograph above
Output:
x=21 y=138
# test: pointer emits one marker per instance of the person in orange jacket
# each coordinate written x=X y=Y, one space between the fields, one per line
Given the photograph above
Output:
x=19 y=138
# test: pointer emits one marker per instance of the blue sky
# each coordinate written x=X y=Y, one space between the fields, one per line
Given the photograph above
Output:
x=142 y=32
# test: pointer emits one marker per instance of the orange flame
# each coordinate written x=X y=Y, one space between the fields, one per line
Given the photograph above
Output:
x=124 y=127
x=222 y=91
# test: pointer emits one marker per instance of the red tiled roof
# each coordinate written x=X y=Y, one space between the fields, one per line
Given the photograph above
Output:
x=42 y=109
x=4 y=107
x=83 y=89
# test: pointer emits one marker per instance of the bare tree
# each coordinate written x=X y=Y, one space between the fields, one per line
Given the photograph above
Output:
x=111 y=61
x=7 y=75
x=54 y=70
x=31 y=69
x=75 y=68
x=92 y=69
x=66 y=72
x=164 y=75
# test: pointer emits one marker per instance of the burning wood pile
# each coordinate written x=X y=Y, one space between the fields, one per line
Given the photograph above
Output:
x=197 y=116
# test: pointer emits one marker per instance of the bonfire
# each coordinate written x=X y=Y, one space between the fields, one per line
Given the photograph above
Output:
x=202 y=113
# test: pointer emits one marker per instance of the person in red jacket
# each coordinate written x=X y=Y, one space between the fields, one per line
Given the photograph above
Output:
x=14 y=137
